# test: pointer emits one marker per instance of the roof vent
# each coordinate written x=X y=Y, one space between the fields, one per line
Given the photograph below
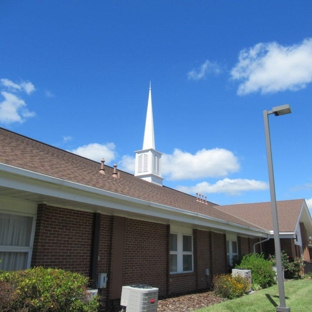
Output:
x=102 y=170
x=115 y=174
x=201 y=198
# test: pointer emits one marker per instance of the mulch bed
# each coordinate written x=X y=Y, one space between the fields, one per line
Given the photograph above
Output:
x=188 y=302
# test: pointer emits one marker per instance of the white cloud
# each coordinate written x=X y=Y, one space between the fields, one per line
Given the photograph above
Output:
x=48 y=94
x=304 y=187
x=271 y=68
x=184 y=166
x=127 y=163
x=226 y=186
x=10 y=84
x=97 y=151
x=309 y=203
x=28 y=87
x=67 y=138
x=205 y=163
x=203 y=70
x=13 y=109
x=25 y=86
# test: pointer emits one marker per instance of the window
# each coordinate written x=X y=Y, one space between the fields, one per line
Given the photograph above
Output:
x=231 y=249
x=173 y=253
x=181 y=253
x=16 y=233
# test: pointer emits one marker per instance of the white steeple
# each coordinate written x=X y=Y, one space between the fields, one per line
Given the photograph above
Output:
x=147 y=160
x=149 y=139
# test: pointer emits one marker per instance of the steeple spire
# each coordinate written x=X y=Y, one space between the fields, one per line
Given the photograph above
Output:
x=147 y=160
x=149 y=138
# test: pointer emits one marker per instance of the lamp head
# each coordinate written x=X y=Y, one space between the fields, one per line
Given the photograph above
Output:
x=281 y=110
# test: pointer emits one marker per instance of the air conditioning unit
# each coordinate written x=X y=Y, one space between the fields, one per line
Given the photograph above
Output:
x=245 y=274
x=139 y=298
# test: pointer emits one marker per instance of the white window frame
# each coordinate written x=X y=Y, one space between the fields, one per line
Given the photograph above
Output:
x=23 y=249
x=180 y=252
x=230 y=239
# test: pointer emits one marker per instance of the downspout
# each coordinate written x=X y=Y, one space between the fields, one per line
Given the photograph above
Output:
x=95 y=249
x=254 y=245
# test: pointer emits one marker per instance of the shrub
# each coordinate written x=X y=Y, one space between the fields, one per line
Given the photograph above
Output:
x=45 y=290
x=228 y=286
x=293 y=267
x=262 y=273
x=7 y=295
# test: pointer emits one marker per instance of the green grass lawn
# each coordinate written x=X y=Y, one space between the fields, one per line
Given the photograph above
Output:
x=298 y=297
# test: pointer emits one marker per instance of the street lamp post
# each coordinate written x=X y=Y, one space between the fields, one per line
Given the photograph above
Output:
x=277 y=111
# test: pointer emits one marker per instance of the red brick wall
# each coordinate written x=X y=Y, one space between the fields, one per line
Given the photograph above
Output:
x=182 y=283
x=268 y=247
x=243 y=246
x=105 y=244
x=218 y=253
x=288 y=246
x=63 y=239
x=145 y=256
x=105 y=248
x=252 y=241
x=202 y=258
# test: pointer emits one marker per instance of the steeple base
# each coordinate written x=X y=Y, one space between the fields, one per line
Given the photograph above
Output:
x=151 y=178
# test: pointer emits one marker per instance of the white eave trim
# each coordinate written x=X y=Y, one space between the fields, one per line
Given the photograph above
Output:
x=284 y=234
x=62 y=190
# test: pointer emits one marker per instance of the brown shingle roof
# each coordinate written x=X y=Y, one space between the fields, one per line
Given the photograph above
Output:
x=260 y=213
x=22 y=152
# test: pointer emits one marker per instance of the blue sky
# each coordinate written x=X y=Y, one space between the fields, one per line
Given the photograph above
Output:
x=75 y=74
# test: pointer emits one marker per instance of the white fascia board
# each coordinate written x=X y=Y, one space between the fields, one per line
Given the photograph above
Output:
x=305 y=217
x=54 y=184
x=29 y=181
x=201 y=220
x=300 y=214
x=284 y=234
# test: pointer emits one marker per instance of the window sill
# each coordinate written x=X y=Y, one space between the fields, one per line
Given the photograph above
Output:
x=182 y=274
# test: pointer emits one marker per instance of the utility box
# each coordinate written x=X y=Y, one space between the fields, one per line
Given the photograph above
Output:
x=139 y=298
x=102 y=280
x=245 y=274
